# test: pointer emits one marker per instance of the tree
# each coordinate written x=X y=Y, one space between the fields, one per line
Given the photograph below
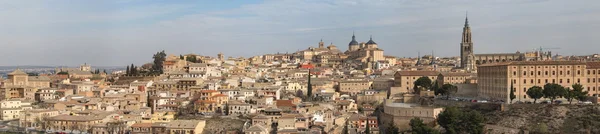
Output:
x=535 y=93
x=512 y=92
x=553 y=91
x=132 y=70
x=33 y=74
x=455 y=121
x=418 y=127
x=159 y=58
x=116 y=127
x=577 y=93
x=391 y=129
x=181 y=57
x=368 y=128
x=472 y=122
x=226 y=109
x=309 y=90
x=449 y=119
x=423 y=83
x=448 y=89
x=345 y=130
x=127 y=71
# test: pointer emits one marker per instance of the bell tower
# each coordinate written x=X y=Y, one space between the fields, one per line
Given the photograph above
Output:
x=467 y=57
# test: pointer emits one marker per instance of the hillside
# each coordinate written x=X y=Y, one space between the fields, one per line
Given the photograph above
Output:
x=543 y=118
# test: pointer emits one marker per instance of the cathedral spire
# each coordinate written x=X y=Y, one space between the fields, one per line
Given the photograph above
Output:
x=467 y=19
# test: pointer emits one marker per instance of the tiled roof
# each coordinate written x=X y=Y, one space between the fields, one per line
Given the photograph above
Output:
x=535 y=63
x=593 y=65
x=418 y=73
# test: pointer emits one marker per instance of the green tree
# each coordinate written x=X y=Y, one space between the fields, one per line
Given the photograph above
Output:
x=578 y=93
x=418 y=127
x=535 y=93
x=345 y=130
x=553 y=91
x=159 y=58
x=127 y=71
x=512 y=92
x=226 y=109
x=309 y=88
x=368 y=128
x=449 y=119
x=472 y=122
x=181 y=57
x=448 y=89
x=455 y=121
x=423 y=83
x=33 y=74
x=436 y=88
x=132 y=70
x=391 y=129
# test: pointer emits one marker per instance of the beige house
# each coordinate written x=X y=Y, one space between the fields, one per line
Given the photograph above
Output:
x=354 y=86
x=494 y=80
x=186 y=126
x=31 y=117
x=20 y=85
x=11 y=109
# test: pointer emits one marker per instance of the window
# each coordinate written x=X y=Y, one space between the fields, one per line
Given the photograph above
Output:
x=578 y=72
x=560 y=81
x=568 y=72
x=539 y=72
x=568 y=81
x=524 y=81
x=531 y=81
x=588 y=72
x=524 y=73
x=546 y=81
x=514 y=72
x=553 y=81
x=553 y=72
x=578 y=80
x=524 y=89
x=524 y=96
x=531 y=72
x=560 y=73
x=539 y=81
x=546 y=72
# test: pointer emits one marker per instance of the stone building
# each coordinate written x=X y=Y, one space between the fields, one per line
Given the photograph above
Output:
x=364 y=52
x=467 y=57
x=354 y=86
x=404 y=80
x=494 y=80
x=400 y=114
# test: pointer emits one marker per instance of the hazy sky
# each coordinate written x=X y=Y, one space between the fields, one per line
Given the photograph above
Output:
x=103 y=32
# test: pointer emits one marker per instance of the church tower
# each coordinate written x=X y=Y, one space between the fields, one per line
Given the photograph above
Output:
x=321 y=44
x=353 y=45
x=467 y=57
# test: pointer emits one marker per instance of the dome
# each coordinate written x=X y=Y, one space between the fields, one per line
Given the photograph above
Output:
x=371 y=41
x=353 y=42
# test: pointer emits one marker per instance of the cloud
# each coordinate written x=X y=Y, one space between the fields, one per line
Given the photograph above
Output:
x=130 y=31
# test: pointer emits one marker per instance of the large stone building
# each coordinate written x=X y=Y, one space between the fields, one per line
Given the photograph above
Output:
x=404 y=80
x=20 y=85
x=494 y=80
x=311 y=53
x=467 y=57
x=364 y=52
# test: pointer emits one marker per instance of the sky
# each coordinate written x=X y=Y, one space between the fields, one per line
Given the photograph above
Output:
x=121 y=32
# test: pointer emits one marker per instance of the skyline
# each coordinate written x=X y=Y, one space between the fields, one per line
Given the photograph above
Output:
x=118 y=33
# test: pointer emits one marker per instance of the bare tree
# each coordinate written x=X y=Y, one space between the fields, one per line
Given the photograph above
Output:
x=116 y=127
x=41 y=122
